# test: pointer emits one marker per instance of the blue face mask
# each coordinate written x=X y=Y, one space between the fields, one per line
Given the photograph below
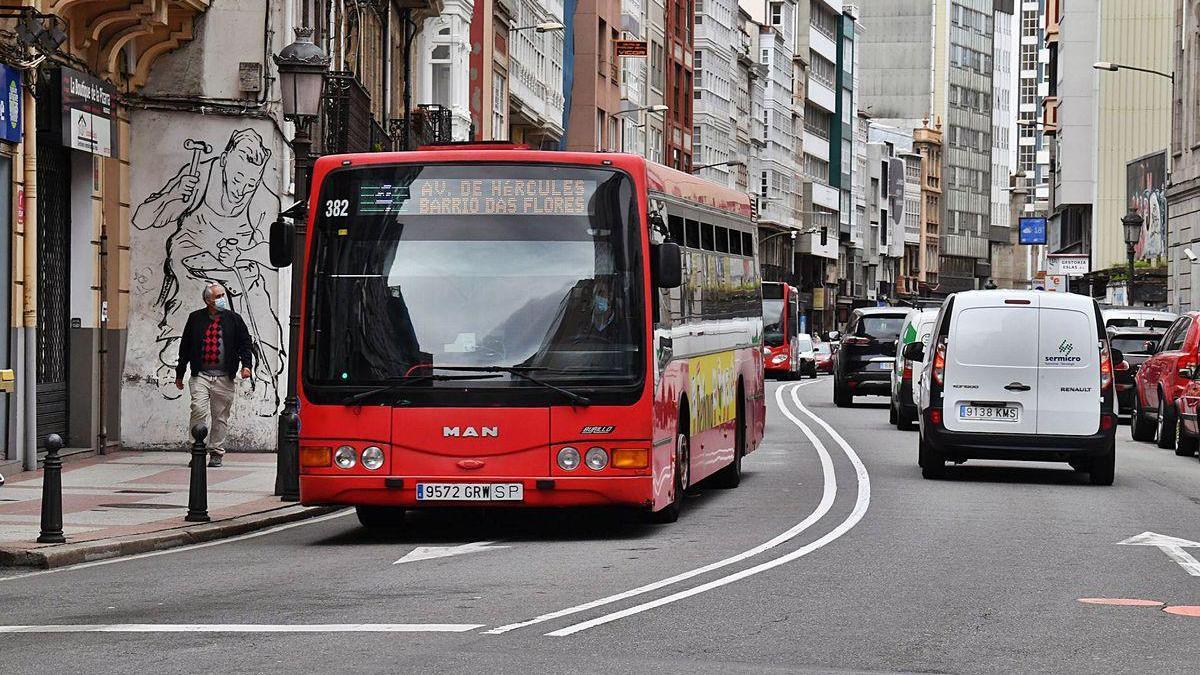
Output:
x=222 y=303
x=601 y=304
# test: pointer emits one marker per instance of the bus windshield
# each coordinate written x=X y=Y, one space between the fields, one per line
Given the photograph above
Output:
x=773 y=322
x=531 y=266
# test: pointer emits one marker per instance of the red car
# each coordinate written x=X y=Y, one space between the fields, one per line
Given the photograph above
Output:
x=1159 y=382
x=824 y=357
x=1187 y=426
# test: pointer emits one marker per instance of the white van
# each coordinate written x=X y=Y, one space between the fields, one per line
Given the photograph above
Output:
x=1018 y=375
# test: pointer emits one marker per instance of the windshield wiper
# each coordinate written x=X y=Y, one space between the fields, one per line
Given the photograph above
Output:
x=523 y=373
x=397 y=384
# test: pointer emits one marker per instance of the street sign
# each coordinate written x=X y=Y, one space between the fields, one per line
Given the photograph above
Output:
x=1032 y=231
x=1069 y=264
x=631 y=48
x=1056 y=283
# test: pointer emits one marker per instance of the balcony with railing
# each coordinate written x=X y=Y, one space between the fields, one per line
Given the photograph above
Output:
x=347 y=122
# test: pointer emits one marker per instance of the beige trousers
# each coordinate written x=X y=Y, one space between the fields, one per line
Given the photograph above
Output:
x=212 y=396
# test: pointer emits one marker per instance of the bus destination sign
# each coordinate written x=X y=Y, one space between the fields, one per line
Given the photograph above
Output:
x=478 y=197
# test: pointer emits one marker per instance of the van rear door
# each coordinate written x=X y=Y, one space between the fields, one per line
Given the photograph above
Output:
x=992 y=368
x=1069 y=396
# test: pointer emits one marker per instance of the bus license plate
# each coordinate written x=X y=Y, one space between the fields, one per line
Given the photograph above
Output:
x=996 y=413
x=470 y=492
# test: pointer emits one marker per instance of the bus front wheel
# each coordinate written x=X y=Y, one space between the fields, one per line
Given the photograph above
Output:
x=670 y=513
x=381 y=518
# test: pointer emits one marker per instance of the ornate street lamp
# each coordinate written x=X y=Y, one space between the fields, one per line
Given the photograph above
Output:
x=302 y=67
x=1132 y=222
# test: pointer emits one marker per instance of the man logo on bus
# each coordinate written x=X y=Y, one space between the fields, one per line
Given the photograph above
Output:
x=470 y=432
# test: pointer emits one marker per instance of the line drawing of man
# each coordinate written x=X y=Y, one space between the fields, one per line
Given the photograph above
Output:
x=218 y=210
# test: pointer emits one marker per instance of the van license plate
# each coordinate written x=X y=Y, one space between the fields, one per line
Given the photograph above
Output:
x=470 y=492
x=996 y=413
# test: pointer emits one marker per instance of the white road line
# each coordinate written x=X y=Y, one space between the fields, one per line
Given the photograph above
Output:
x=182 y=549
x=246 y=628
x=827 y=498
x=860 y=508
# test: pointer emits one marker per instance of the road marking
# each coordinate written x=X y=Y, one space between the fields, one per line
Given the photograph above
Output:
x=431 y=552
x=827 y=497
x=1184 y=610
x=862 y=502
x=1121 y=602
x=246 y=628
x=1172 y=546
x=182 y=549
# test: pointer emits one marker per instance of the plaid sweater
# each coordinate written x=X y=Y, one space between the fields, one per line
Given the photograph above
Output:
x=196 y=334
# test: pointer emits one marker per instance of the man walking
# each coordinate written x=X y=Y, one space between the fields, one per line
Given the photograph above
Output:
x=214 y=343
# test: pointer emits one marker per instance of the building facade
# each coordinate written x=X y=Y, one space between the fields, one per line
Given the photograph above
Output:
x=1183 y=194
x=1100 y=120
x=946 y=75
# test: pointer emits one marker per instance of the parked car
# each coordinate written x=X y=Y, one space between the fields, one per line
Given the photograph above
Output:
x=1136 y=344
x=1187 y=424
x=824 y=356
x=1018 y=375
x=903 y=409
x=1124 y=317
x=1158 y=384
x=864 y=362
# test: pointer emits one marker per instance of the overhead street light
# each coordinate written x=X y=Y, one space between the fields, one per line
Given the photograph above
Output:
x=1114 y=67
x=735 y=162
x=544 y=27
x=650 y=109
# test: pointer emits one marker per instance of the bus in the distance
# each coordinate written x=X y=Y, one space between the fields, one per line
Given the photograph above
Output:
x=782 y=330
x=485 y=325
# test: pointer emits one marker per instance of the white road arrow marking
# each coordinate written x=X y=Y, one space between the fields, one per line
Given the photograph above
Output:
x=431 y=552
x=1172 y=546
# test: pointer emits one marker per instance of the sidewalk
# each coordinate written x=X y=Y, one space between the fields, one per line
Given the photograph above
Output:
x=133 y=502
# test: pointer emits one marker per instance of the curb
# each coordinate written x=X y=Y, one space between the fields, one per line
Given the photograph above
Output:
x=61 y=555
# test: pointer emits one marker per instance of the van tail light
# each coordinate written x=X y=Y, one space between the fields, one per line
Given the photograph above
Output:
x=858 y=341
x=939 y=363
x=935 y=416
x=907 y=374
x=1106 y=367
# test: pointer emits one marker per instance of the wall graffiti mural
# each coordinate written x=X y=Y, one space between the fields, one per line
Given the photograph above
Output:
x=1146 y=179
x=216 y=210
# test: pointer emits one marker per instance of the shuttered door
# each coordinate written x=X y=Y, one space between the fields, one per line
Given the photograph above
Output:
x=53 y=294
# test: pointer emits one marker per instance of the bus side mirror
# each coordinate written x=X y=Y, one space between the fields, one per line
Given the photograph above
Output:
x=283 y=235
x=914 y=351
x=667 y=265
x=834 y=336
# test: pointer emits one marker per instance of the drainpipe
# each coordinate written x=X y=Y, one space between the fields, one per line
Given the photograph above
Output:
x=29 y=289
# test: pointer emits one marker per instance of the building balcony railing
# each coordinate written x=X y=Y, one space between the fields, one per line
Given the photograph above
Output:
x=425 y=125
x=347 y=123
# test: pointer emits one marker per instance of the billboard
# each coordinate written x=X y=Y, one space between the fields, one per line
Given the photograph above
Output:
x=1146 y=193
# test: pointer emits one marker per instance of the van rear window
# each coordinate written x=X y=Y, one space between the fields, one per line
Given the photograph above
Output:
x=1123 y=323
x=996 y=336
x=885 y=327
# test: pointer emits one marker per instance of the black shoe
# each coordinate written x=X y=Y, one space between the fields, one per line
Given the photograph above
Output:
x=214 y=461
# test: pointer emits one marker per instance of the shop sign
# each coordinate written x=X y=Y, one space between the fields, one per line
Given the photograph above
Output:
x=88 y=116
x=10 y=104
x=632 y=48
x=1068 y=264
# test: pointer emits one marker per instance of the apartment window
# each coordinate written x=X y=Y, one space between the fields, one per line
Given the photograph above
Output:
x=823 y=20
x=656 y=65
x=765 y=56
x=697 y=80
x=776 y=13
x=439 y=75
x=762 y=186
x=612 y=133
x=698 y=59
x=499 y=107
x=599 y=129
x=699 y=7
x=822 y=69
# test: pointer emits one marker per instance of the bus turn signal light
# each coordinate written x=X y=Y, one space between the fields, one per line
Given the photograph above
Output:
x=630 y=458
x=312 y=456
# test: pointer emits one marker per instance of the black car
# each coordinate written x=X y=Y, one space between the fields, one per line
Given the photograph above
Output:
x=863 y=364
x=1131 y=342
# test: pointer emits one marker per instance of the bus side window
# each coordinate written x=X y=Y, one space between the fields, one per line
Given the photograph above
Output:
x=675 y=226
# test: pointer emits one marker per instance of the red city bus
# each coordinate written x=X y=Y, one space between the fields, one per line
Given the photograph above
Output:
x=782 y=348
x=490 y=325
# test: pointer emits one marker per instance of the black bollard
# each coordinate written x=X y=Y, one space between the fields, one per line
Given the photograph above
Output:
x=198 y=486
x=52 y=522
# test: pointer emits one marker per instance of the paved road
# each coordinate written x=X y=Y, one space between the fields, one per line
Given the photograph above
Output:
x=833 y=554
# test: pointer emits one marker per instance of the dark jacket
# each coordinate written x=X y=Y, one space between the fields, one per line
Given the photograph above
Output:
x=238 y=348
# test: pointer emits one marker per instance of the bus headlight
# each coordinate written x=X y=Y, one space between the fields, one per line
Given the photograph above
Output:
x=344 y=457
x=596 y=458
x=372 y=458
x=568 y=459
